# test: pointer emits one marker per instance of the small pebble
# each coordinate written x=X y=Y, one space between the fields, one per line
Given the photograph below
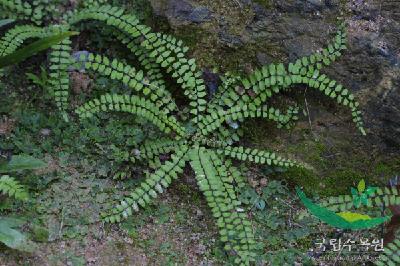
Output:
x=45 y=132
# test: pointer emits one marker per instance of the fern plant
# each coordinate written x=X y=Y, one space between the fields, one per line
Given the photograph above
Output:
x=207 y=137
x=10 y=187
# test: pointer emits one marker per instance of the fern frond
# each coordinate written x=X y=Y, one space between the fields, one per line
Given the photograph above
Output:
x=211 y=122
x=333 y=90
x=60 y=61
x=233 y=86
x=16 y=36
x=154 y=184
x=184 y=70
x=214 y=142
x=153 y=71
x=90 y=3
x=128 y=75
x=257 y=156
x=382 y=196
x=234 y=172
x=9 y=186
x=214 y=181
x=228 y=135
x=168 y=52
x=324 y=57
x=24 y=10
x=59 y=57
x=16 y=9
x=273 y=78
x=134 y=105
x=152 y=149
x=391 y=253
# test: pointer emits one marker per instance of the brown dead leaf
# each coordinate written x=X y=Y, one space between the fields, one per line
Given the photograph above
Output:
x=6 y=126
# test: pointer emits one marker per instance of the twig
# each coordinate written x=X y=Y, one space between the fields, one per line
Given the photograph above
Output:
x=332 y=155
x=61 y=224
x=308 y=111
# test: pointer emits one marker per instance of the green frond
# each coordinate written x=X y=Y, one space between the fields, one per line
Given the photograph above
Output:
x=152 y=149
x=59 y=57
x=214 y=142
x=213 y=121
x=338 y=203
x=153 y=185
x=391 y=253
x=153 y=71
x=60 y=61
x=334 y=90
x=382 y=196
x=128 y=75
x=273 y=78
x=168 y=52
x=12 y=188
x=16 y=9
x=386 y=195
x=324 y=57
x=215 y=182
x=227 y=135
x=183 y=69
x=34 y=10
x=134 y=105
x=15 y=37
x=263 y=83
x=257 y=156
x=90 y=3
x=237 y=176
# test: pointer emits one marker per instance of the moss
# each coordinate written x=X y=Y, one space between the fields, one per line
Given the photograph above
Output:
x=189 y=192
x=264 y=3
x=387 y=169
x=302 y=177
x=40 y=234
x=327 y=180
x=140 y=8
x=335 y=183
x=190 y=35
x=305 y=243
x=336 y=165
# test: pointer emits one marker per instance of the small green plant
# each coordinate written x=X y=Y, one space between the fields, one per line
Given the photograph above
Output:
x=40 y=80
x=14 y=57
x=10 y=187
x=278 y=227
x=203 y=133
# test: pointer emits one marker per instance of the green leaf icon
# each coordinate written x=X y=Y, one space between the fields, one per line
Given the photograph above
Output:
x=352 y=216
x=361 y=186
x=357 y=201
x=370 y=190
x=343 y=220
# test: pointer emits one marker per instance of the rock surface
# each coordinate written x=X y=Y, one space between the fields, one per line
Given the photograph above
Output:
x=245 y=34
